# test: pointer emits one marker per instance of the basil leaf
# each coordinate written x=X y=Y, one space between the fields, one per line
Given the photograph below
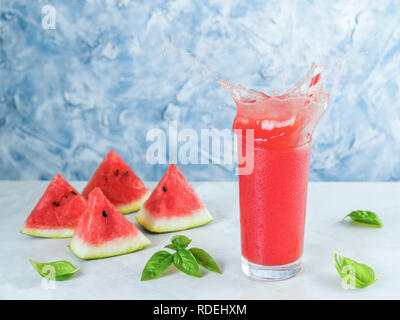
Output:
x=185 y=261
x=180 y=241
x=57 y=270
x=157 y=264
x=171 y=246
x=353 y=273
x=205 y=260
x=366 y=217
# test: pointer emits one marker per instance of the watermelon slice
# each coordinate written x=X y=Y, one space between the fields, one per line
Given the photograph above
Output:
x=173 y=205
x=57 y=212
x=103 y=231
x=119 y=184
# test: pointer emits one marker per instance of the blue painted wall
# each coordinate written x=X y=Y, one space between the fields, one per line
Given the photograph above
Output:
x=110 y=70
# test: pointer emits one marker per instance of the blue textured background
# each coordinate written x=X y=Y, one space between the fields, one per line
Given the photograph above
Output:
x=113 y=69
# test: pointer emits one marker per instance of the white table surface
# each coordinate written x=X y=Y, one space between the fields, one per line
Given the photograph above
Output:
x=119 y=277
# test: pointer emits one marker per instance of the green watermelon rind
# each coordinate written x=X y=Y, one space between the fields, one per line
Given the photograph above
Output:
x=47 y=233
x=134 y=206
x=139 y=238
x=199 y=218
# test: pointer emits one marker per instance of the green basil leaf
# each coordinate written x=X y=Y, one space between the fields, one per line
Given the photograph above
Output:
x=157 y=264
x=366 y=217
x=180 y=241
x=186 y=262
x=57 y=270
x=353 y=273
x=171 y=246
x=205 y=260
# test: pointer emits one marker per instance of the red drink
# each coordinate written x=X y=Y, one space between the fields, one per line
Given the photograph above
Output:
x=273 y=194
x=273 y=205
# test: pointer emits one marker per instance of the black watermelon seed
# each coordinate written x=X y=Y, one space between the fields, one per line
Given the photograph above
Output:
x=126 y=173
x=116 y=172
x=73 y=192
x=105 y=215
x=56 y=204
x=164 y=188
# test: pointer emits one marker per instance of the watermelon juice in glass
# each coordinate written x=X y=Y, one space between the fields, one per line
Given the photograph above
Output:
x=274 y=133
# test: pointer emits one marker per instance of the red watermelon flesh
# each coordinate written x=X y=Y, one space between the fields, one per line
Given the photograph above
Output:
x=57 y=212
x=103 y=231
x=119 y=184
x=173 y=205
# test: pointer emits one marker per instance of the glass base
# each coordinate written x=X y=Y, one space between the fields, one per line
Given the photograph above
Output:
x=271 y=273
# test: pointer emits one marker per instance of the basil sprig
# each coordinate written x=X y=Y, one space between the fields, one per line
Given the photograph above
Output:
x=57 y=270
x=157 y=264
x=187 y=261
x=205 y=260
x=353 y=273
x=365 y=217
x=180 y=242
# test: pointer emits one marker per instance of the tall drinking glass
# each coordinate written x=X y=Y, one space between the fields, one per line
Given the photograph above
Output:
x=274 y=144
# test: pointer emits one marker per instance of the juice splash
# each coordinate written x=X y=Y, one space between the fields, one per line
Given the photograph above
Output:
x=285 y=120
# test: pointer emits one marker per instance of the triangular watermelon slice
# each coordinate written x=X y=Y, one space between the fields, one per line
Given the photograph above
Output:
x=173 y=205
x=57 y=212
x=119 y=184
x=103 y=231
